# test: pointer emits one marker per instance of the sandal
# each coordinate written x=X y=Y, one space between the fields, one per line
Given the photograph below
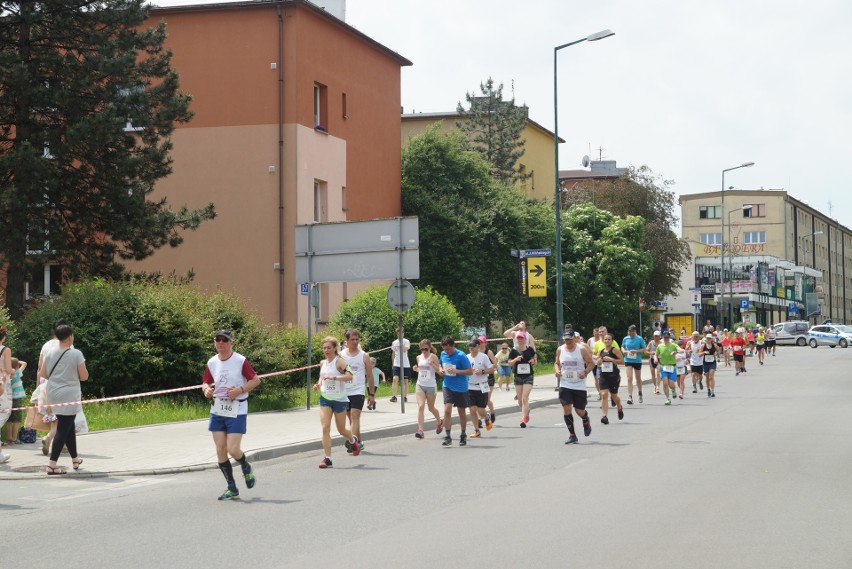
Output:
x=55 y=470
x=76 y=463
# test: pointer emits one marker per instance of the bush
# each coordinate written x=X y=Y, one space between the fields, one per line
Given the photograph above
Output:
x=432 y=316
x=142 y=336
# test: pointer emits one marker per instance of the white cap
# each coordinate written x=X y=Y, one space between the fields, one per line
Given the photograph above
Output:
x=657 y=333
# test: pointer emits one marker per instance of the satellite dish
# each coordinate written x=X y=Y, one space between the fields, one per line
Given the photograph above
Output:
x=586 y=161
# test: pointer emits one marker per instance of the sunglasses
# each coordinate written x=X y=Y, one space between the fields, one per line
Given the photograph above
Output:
x=221 y=339
x=425 y=349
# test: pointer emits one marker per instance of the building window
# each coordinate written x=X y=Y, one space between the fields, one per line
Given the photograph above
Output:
x=134 y=98
x=320 y=107
x=711 y=238
x=320 y=201
x=343 y=199
x=710 y=212
x=43 y=280
x=343 y=103
x=754 y=237
x=757 y=210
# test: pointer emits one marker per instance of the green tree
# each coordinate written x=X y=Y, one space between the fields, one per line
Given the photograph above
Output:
x=494 y=127
x=642 y=193
x=604 y=272
x=88 y=101
x=468 y=224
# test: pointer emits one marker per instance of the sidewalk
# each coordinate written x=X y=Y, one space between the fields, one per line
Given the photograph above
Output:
x=185 y=447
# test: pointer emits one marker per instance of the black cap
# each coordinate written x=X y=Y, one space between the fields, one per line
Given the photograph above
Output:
x=667 y=334
x=569 y=334
x=632 y=327
x=474 y=342
x=226 y=333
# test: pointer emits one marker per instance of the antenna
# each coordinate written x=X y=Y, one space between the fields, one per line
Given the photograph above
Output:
x=830 y=207
x=600 y=152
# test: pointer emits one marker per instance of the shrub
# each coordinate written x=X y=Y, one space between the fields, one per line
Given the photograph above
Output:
x=432 y=316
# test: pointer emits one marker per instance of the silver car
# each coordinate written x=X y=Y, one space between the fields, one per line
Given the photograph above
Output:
x=792 y=333
x=829 y=335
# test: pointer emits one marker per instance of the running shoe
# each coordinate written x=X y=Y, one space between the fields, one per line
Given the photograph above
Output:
x=440 y=427
x=348 y=446
x=761 y=363
x=462 y=440
x=230 y=494
x=393 y=399
x=656 y=391
x=668 y=402
x=4 y=457
x=356 y=446
x=476 y=434
x=712 y=394
x=620 y=413
x=738 y=372
x=572 y=440
x=488 y=424
x=248 y=473
x=418 y=434
x=587 y=426
x=447 y=441
x=680 y=396
x=493 y=416
x=604 y=420
x=630 y=400
x=523 y=425
x=640 y=397
x=694 y=390
x=709 y=393
x=326 y=463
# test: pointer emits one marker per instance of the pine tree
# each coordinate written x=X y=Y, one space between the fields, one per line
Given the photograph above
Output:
x=494 y=128
x=88 y=101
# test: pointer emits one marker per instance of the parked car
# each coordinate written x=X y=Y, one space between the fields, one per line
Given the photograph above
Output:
x=829 y=335
x=792 y=332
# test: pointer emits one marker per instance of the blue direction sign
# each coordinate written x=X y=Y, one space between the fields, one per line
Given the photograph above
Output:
x=304 y=288
x=744 y=304
x=534 y=253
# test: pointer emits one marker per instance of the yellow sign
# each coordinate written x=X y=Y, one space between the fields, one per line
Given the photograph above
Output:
x=537 y=276
x=702 y=250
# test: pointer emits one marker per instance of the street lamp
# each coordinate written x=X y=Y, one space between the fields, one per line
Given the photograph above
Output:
x=556 y=196
x=722 y=236
x=744 y=209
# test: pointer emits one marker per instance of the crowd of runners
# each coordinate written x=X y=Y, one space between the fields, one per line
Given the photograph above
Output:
x=347 y=381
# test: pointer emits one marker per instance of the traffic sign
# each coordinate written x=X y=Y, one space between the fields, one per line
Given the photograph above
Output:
x=537 y=276
x=744 y=304
x=304 y=288
x=401 y=295
x=526 y=253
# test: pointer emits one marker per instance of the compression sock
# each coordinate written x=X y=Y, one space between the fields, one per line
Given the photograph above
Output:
x=569 y=421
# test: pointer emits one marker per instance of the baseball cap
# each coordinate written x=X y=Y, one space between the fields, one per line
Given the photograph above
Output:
x=632 y=327
x=667 y=334
x=520 y=335
x=740 y=330
x=569 y=334
x=483 y=339
x=708 y=336
x=474 y=342
x=226 y=333
x=657 y=332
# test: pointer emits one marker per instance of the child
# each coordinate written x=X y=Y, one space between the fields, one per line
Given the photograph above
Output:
x=18 y=399
x=377 y=374
x=504 y=370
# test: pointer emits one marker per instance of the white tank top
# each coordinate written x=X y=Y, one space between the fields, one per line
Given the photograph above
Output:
x=331 y=389
x=572 y=364
x=478 y=363
x=694 y=358
x=426 y=372
x=359 y=372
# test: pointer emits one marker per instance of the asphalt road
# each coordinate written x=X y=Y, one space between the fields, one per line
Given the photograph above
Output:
x=760 y=476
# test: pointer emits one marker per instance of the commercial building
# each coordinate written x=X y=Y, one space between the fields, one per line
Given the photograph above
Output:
x=296 y=121
x=784 y=259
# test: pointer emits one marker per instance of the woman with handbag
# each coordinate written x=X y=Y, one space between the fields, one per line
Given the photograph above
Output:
x=64 y=368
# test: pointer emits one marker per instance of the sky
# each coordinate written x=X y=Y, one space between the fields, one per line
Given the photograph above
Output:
x=686 y=87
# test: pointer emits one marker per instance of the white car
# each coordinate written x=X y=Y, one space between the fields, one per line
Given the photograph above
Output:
x=830 y=335
x=792 y=333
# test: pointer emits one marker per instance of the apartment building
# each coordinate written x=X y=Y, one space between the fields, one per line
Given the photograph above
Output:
x=777 y=251
x=296 y=121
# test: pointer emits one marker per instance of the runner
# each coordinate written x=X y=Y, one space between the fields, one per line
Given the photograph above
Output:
x=708 y=327
x=666 y=355
x=504 y=370
x=333 y=377
x=726 y=346
x=573 y=363
x=484 y=349
x=770 y=340
x=738 y=348
x=478 y=386
x=696 y=362
x=228 y=379
x=591 y=342
x=634 y=345
x=426 y=367
x=405 y=369
x=709 y=351
x=760 y=343
x=681 y=367
x=653 y=360
x=456 y=368
x=599 y=345
x=608 y=360
x=522 y=360
x=750 y=340
x=362 y=375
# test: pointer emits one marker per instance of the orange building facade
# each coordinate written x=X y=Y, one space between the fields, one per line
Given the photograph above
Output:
x=296 y=121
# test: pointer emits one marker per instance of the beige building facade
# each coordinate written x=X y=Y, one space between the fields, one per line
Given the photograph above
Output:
x=775 y=229
x=537 y=161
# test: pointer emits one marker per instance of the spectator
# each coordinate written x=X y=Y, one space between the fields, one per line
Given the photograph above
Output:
x=18 y=399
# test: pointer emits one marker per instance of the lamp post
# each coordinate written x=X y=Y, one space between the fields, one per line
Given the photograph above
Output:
x=731 y=267
x=557 y=199
x=722 y=238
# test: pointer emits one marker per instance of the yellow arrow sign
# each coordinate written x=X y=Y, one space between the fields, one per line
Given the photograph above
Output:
x=537 y=275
